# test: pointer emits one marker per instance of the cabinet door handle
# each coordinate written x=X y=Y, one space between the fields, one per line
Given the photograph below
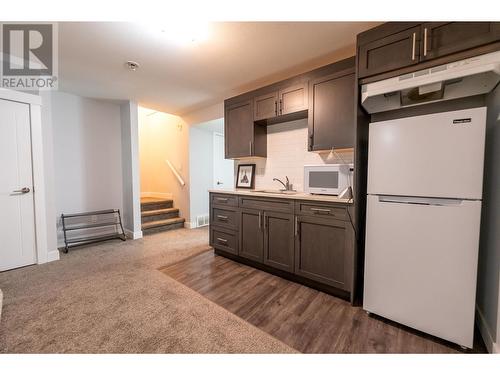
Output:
x=320 y=210
x=296 y=226
x=222 y=217
x=276 y=108
x=260 y=221
x=281 y=107
x=250 y=144
x=264 y=220
x=222 y=200
x=222 y=240
x=413 y=47
x=425 y=41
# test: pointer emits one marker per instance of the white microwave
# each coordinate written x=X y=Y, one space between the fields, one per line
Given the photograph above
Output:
x=328 y=179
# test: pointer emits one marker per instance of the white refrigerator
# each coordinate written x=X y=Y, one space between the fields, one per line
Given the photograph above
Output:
x=425 y=177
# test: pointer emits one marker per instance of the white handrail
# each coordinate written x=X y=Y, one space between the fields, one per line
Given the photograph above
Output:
x=179 y=178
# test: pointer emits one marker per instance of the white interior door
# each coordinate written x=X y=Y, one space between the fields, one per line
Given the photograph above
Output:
x=17 y=216
x=223 y=168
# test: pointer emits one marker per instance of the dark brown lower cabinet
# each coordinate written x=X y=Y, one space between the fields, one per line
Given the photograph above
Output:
x=224 y=239
x=251 y=235
x=309 y=242
x=278 y=240
x=323 y=251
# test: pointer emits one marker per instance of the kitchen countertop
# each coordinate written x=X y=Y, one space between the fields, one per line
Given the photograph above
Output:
x=296 y=196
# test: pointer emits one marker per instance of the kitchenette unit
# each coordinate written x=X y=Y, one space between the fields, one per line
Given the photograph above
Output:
x=411 y=109
x=307 y=236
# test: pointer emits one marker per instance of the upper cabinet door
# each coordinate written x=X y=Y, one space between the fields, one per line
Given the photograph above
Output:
x=443 y=38
x=266 y=106
x=331 y=111
x=239 y=129
x=293 y=99
x=393 y=52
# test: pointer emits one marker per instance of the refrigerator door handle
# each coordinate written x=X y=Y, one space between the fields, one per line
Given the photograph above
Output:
x=419 y=200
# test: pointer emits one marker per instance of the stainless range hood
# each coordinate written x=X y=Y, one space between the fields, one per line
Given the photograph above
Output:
x=473 y=76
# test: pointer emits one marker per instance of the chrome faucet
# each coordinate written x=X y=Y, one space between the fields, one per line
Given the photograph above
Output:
x=287 y=186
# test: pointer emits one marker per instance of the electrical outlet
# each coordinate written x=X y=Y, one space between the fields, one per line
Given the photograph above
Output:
x=93 y=218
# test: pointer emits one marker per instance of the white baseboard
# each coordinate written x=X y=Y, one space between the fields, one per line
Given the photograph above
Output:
x=133 y=235
x=484 y=329
x=156 y=194
x=52 y=255
x=189 y=225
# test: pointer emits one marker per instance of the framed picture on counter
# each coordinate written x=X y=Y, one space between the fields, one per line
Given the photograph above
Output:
x=245 y=178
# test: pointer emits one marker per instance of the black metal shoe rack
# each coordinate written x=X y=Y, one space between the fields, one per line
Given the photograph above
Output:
x=109 y=222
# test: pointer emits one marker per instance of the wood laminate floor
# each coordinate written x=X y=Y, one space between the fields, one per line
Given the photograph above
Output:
x=303 y=318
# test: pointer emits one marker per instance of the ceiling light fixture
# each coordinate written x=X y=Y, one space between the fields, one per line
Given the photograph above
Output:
x=132 y=65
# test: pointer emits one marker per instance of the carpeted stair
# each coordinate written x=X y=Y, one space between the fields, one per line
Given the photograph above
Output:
x=159 y=215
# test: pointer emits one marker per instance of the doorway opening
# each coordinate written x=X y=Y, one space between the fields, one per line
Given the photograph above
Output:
x=208 y=167
x=163 y=156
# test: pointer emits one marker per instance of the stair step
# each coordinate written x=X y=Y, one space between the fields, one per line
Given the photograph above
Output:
x=162 y=225
x=161 y=214
x=151 y=204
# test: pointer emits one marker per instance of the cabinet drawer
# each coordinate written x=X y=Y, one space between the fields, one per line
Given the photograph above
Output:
x=276 y=205
x=224 y=199
x=224 y=217
x=224 y=239
x=324 y=210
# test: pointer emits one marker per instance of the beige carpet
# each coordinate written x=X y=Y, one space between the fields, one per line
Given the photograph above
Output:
x=110 y=298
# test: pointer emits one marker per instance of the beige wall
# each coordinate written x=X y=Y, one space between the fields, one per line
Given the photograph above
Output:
x=163 y=136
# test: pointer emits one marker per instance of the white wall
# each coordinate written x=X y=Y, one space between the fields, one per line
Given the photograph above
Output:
x=201 y=171
x=130 y=170
x=286 y=156
x=488 y=290
x=48 y=153
x=87 y=154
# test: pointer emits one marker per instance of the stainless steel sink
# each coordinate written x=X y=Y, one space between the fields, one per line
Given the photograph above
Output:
x=281 y=192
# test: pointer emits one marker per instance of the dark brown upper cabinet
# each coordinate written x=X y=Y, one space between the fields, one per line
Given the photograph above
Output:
x=282 y=102
x=266 y=106
x=331 y=111
x=393 y=52
x=248 y=115
x=393 y=48
x=444 y=38
x=293 y=99
x=242 y=137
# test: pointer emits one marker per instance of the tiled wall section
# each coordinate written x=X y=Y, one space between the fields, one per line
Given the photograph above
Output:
x=286 y=156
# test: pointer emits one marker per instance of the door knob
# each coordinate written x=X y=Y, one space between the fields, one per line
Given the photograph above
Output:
x=219 y=183
x=24 y=190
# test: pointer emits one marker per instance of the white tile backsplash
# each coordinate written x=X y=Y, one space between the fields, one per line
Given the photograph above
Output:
x=286 y=156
